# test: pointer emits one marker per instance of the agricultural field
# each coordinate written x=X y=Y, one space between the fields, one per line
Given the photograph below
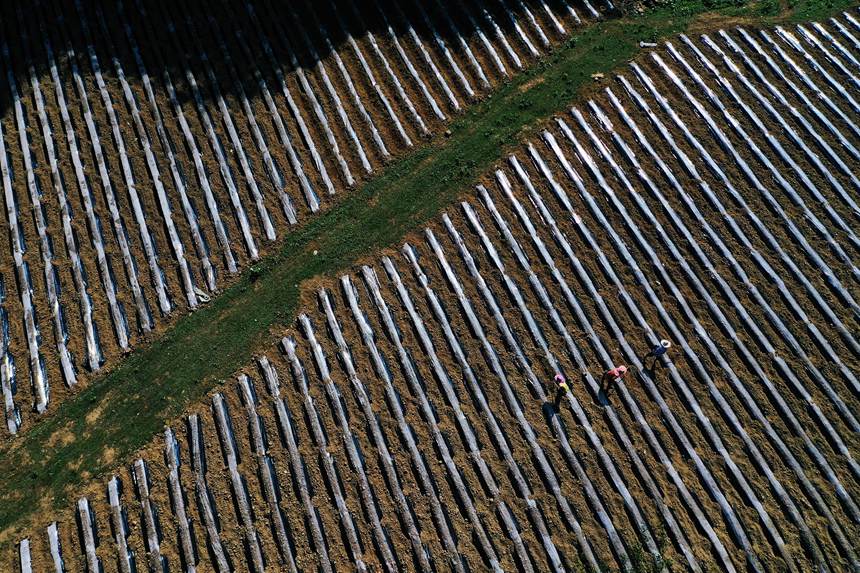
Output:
x=152 y=152
x=404 y=417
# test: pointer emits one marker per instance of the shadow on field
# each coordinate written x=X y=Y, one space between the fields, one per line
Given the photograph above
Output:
x=239 y=38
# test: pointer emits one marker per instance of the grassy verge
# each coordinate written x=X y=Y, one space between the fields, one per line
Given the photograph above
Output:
x=120 y=412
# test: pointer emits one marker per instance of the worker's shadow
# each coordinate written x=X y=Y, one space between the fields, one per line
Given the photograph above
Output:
x=551 y=409
x=603 y=396
x=559 y=395
x=651 y=364
x=607 y=387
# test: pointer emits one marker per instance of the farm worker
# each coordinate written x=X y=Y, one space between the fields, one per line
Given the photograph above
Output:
x=659 y=350
x=610 y=376
x=616 y=373
x=561 y=384
x=561 y=388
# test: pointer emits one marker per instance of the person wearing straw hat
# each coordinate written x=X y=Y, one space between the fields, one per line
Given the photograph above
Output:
x=657 y=351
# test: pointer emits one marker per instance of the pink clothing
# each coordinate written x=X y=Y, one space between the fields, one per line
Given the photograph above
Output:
x=617 y=372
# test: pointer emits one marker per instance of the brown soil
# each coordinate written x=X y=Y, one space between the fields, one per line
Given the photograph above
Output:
x=218 y=478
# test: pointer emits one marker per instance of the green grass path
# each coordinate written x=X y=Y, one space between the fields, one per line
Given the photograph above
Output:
x=120 y=412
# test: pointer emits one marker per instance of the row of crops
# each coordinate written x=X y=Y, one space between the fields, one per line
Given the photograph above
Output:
x=409 y=420
x=149 y=151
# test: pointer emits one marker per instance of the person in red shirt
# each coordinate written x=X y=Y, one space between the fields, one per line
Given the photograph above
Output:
x=612 y=375
x=617 y=373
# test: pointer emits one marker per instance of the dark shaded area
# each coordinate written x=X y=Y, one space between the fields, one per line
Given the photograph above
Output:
x=240 y=39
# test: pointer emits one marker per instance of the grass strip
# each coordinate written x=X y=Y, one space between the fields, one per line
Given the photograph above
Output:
x=121 y=411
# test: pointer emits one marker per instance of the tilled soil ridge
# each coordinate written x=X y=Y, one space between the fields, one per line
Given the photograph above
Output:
x=152 y=151
x=409 y=420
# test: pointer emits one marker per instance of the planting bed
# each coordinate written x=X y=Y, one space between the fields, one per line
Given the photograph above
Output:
x=409 y=420
x=152 y=150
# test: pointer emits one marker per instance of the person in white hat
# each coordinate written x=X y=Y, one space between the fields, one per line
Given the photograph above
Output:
x=657 y=351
